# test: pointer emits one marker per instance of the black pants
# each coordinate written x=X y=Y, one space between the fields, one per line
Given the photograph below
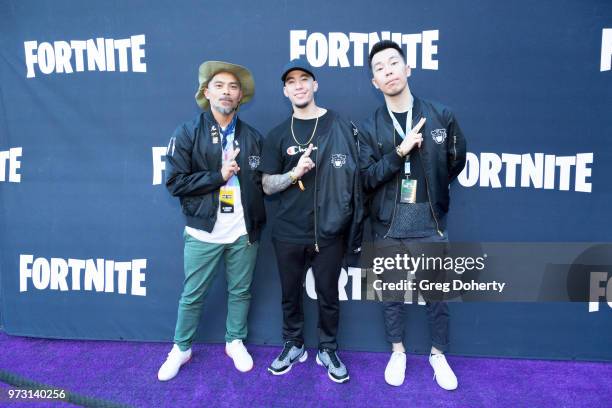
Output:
x=293 y=263
x=395 y=311
x=437 y=316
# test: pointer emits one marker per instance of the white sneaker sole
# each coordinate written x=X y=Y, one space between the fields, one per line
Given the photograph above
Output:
x=286 y=370
x=331 y=377
x=451 y=388
x=242 y=371
x=168 y=379
x=394 y=384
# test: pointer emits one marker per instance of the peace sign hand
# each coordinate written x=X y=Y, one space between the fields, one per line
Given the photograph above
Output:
x=305 y=164
x=230 y=167
x=413 y=138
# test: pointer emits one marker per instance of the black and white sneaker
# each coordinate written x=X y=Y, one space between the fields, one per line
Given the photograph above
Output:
x=291 y=354
x=336 y=370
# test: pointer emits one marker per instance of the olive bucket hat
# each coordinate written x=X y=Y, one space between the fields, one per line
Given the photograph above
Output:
x=209 y=69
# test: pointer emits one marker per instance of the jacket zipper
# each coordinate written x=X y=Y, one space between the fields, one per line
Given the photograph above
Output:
x=246 y=215
x=454 y=147
x=394 y=205
x=395 y=200
x=245 y=211
x=247 y=220
x=315 y=201
x=428 y=196
x=242 y=193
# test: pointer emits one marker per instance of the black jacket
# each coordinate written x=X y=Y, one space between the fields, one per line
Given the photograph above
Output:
x=338 y=192
x=442 y=154
x=194 y=172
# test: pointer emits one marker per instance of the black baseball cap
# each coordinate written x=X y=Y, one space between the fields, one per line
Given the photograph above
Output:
x=300 y=64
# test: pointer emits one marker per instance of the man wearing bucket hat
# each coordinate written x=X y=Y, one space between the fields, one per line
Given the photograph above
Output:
x=312 y=161
x=213 y=168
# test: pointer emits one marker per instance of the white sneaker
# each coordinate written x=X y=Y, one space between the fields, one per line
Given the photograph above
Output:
x=396 y=369
x=237 y=352
x=443 y=374
x=170 y=368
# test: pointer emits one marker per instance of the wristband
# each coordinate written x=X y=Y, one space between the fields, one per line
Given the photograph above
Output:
x=292 y=176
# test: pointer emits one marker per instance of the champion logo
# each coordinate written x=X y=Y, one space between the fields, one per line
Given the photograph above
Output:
x=253 y=162
x=293 y=150
x=438 y=135
x=338 y=160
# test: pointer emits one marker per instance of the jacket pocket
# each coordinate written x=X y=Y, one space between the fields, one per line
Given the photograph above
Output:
x=190 y=205
x=384 y=202
x=206 y=208
x=200 y=206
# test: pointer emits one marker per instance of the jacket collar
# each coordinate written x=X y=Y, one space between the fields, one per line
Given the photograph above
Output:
x=324 y=126
x=416 y=111
x=209 y=118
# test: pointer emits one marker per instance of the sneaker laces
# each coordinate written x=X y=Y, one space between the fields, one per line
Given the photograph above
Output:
x=286 y=349
x=332 y=357
x=238 y=347
x=175 y=353
x=439 y=363
x=397 y=358
x=438 y=358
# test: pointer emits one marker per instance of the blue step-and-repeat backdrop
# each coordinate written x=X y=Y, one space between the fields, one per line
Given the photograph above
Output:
x=90 y=92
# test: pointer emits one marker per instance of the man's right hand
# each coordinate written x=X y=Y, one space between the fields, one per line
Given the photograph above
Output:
x=305 y=164
x=230 y=167
x=413 y=138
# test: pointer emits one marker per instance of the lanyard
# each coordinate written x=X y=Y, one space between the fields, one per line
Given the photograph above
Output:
x=228 y=130
x=396 y=124
x=402 y=134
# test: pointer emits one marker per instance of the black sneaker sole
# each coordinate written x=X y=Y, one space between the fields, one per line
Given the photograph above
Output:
x=331 y=377
x=338 y=380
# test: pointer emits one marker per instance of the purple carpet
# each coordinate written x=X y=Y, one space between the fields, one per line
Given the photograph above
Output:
x=125 y=373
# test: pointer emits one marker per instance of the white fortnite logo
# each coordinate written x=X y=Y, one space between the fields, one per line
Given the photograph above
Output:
x=355 y=277
x=98 y=275
x=159 y=164
x=11 y=156
x=333 y=49
x=606 y=49
x=598 y=291
x=58 y=57
x=536 y=170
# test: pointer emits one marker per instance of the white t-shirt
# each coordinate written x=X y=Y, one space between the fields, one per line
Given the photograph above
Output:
x=229 y=226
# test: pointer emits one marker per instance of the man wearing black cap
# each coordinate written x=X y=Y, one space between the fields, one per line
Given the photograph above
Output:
x=212 y=168
x=311 y=160
x=411 y=149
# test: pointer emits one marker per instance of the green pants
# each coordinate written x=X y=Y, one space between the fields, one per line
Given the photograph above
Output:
x=201 y=263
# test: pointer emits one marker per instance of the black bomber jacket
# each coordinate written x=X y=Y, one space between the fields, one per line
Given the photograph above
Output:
x=339 y=210
x=442 y=153
x=194 y=172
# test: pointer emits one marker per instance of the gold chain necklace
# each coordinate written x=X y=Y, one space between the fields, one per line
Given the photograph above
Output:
x=311 y=136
